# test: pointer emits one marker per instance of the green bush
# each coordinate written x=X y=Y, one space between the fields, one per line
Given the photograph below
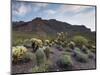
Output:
x=65 y=62
x=40 y=56
x=80 y=41
x=81 y=57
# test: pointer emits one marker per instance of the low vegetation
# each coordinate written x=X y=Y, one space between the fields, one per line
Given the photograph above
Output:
x=80 y=41
x=40 y=56
x=41 y=51
x=79 y=56
x=65 y=62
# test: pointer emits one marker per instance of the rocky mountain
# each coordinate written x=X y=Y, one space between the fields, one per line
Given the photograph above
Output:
x=51 y=27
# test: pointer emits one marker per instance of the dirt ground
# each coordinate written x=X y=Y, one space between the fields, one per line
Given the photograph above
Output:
x=54 y=56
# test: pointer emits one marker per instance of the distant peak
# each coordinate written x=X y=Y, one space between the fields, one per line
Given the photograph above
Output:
x=52 y=19
x=38 y=18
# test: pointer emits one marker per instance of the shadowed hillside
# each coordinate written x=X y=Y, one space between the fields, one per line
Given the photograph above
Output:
x=51 y=27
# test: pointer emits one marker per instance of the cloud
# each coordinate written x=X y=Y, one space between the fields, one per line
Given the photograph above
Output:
x=72 y=9
x=21 y=9
x=83 y=18
x=50 y=12
x=87 y=19
x=73 y=14
x=41 y=4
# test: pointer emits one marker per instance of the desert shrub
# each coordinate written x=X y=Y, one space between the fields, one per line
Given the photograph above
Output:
x=88 y=52
x=41 y=68
x=80 y=40
x=44 y=67
x=68 y=49
x=18 y=53
x=64 y=44
x=79 y=56
x=47 y=52
x=71 y=45
x=59 y=47
x=93 y=50
x=84 y=49
x=29 y=56
x=67 y=53
x=65 y=62
x=17 y=42
x=91 y=44
x=26 y=41
x=90 y=55
x=40 y=56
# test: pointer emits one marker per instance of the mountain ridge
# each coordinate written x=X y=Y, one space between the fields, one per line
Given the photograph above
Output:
x=51 y=26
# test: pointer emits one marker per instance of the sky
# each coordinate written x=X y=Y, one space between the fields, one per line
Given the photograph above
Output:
x=73 y=14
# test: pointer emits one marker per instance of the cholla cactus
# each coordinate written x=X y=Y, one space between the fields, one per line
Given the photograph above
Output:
x=47 y=52
x=37 y=42
x=55 y=41
x=33 y=39
x=40 y=56
x=52 y=43
x=94 y=47
x=71 y=44
x=18 y=53
x=61 y=38
x=47 y=42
